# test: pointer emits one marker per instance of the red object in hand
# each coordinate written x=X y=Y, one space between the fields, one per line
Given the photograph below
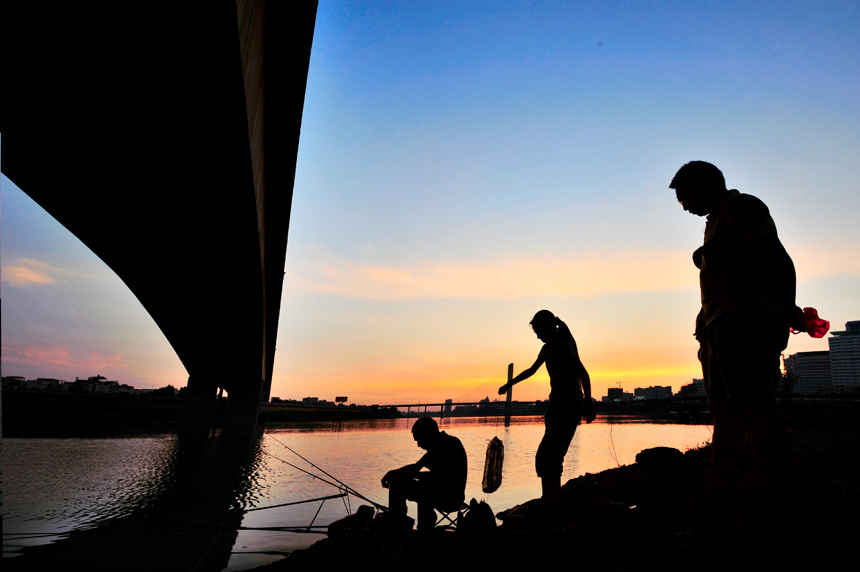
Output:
x=807 y=320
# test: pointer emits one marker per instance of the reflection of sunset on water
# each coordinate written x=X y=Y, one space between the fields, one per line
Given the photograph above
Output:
x=360 y=453
x=58 y=485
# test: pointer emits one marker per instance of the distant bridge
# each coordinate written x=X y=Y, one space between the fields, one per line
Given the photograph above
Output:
x=490 y=408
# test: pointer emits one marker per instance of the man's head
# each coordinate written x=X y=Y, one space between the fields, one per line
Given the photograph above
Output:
x=698 y=185
x=424 y=431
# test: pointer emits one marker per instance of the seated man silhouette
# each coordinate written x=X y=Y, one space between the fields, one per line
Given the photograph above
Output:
x=442 y=485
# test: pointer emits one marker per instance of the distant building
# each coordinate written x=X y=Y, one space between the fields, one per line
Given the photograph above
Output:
x=44 y=384
x=465 y=408
x=13 y=381
x=845 y=357
x=656 y=392
x=311 y=400
x=695 y=389
x=99 y=384
x=614 y=394
x=448 y=404
x=810 y=372
x=94 y=384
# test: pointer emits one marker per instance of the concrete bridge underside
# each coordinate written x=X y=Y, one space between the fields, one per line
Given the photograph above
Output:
x=165 y=138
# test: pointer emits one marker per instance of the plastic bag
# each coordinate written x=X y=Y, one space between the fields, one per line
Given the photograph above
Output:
x=807 y=320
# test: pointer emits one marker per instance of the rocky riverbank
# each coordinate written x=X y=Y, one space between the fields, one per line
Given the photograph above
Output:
x=641 y=517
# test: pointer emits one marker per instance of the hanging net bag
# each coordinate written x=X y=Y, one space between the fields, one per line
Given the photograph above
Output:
x=493 y=466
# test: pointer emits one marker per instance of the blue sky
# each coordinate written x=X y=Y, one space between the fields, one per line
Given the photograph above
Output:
x=463 y=166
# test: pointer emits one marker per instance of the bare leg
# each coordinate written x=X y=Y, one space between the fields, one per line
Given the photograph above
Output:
x=426 y=515
x=550 y=488
x=418 y=490
x=398 y=492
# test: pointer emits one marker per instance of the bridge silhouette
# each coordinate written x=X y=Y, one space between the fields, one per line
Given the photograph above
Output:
x=482 y=408
x=166 y=141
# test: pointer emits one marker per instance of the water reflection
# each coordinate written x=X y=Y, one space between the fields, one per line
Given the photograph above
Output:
x=363 y=451
x=334 y=426
x=119 y=497
x=56 y=485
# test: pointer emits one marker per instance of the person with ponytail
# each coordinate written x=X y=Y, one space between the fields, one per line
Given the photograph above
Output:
x=569 y=397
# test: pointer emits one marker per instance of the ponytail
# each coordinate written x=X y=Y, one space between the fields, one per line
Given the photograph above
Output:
x=547 y=318
x=564 y=331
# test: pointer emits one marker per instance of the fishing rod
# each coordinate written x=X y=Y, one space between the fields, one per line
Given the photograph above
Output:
x=338 y=487
x=342 y=485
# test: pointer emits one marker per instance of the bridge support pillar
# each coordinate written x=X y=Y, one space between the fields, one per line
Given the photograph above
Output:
x=244 y=401
x=198 y=408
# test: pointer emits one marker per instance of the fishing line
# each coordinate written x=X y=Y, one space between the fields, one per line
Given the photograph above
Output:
x=244 y=510
x=342 y=485
x=344 y=489
x=340 y=488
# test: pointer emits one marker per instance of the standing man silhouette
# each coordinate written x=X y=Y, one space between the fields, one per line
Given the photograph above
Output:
x=748 y=283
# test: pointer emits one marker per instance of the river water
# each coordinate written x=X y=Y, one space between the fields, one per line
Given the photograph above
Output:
x=54 y=486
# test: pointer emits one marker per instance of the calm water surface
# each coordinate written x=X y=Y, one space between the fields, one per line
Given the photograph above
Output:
x=52 y=486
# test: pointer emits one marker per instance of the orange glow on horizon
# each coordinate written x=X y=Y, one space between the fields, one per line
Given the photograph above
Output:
x=388 y=389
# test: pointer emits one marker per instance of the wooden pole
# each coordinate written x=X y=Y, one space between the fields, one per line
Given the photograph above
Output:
x=508 y=398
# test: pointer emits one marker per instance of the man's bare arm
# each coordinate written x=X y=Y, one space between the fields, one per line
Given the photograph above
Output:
x=404 y=472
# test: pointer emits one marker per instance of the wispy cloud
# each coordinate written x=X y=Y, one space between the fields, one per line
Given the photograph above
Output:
x=28 y=272
x=507 y=277
x=581 y=275
x=48 y=358
x=31 y=272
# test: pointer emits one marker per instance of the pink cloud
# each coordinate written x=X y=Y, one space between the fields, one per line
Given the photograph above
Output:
x=27 y=272
x=52 y=360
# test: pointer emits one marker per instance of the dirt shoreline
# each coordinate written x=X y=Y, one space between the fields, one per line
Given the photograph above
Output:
x=640 y=517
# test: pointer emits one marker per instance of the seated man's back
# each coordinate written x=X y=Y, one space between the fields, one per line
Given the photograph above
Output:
x=447 y=467
x=442 y=485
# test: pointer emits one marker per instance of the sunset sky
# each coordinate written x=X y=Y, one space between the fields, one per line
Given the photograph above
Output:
x=463 y=165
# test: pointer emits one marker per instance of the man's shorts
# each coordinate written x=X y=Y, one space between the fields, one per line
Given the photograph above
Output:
x=743 y=357
x=427 y=490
